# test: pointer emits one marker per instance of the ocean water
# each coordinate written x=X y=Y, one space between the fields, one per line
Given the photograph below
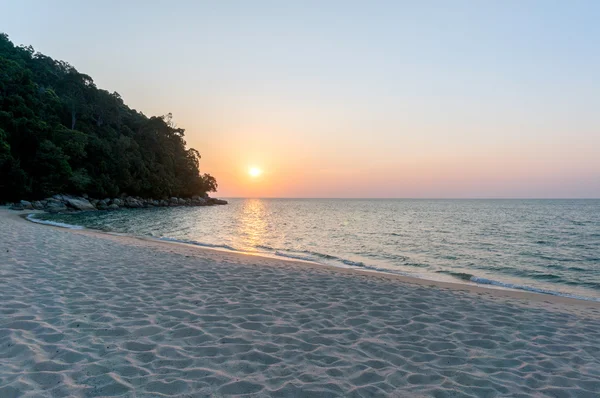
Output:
x=548 y=246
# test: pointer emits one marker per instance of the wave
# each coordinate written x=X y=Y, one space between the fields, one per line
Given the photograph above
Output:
x=31 y=217
x=196 y=243
x=485 y=281
x=459 y=275
x=463 y=276
x=295 y=257
x=308 y=255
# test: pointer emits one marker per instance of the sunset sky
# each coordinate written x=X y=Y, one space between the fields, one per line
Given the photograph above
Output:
x=351 y=99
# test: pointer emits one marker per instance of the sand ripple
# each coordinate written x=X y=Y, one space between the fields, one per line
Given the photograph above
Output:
x=87 y=316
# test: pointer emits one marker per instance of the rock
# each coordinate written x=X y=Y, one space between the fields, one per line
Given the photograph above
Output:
x=198 y=201
x=55 y=206
x=80 y=204
x=113 y=206
x=38 y=205
x=181 y=201
x=85 y=196
x=17 y=206
x=102 y=206
x=117 y=201
x=218 y=201
x=26 y=205
x=174 y=200
x=94 y=202
x=164 y=203
x=132 y=203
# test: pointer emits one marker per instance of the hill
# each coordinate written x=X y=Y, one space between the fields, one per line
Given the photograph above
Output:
x=59 y=133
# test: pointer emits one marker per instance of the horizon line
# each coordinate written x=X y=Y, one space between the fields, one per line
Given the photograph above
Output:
x=411 y=198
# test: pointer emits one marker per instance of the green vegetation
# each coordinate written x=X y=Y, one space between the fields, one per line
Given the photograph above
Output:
x=60 y=133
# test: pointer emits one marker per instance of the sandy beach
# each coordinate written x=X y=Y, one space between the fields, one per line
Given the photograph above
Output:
x=90 y=314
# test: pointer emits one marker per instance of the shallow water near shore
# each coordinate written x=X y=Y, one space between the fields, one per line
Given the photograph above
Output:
x=548 y=246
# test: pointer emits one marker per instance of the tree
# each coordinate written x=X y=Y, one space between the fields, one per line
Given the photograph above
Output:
x=210 y=183
x=60 y=133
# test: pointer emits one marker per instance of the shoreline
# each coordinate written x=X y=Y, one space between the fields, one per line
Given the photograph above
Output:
x=471 y=287
x=84 y=313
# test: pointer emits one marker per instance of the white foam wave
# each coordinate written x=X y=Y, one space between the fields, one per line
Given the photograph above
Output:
x=295 y=256
x=31 y=217
x=196 y=243
x=485 y=281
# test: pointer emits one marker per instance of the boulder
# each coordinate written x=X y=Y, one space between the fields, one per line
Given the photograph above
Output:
x=174 y=200
x=17 y=206
x=117 y=201
x=133 y=203
x=80 y=204
x=181 y=201
x=198 y=201
x=38 y=205
x=218 y=201
x=26 y=205
x=113 y=206
x=164 y=203
x=102 y=206
x=55 y=206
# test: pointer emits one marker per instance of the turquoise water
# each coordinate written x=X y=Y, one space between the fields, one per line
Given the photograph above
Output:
x=551 y=246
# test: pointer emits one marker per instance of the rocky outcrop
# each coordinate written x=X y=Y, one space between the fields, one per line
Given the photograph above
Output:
x=81 y=204
x=133 y=203
x=214 y=201
x=198 y=201
x=66 y=203
x=55 y=206
x=101 y=204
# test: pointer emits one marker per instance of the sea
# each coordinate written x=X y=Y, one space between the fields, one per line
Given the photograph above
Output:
x=544 y=246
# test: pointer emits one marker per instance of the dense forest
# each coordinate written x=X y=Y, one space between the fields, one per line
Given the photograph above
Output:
x=59 y=133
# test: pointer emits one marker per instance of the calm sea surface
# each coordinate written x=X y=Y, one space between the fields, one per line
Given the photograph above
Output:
x=551 y=246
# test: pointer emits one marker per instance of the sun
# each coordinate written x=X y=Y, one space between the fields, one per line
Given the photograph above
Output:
x=254 y=171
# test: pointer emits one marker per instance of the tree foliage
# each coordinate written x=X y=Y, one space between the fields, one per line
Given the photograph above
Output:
x=60 y=133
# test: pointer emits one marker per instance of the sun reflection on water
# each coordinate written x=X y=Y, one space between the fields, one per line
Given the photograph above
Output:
x=254 y=224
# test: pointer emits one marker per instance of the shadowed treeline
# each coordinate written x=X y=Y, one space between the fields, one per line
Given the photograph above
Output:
x=60 y=133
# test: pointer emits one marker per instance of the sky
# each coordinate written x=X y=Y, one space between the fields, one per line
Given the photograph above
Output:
x=434 y=99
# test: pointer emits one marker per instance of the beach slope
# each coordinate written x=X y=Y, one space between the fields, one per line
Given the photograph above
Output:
x=90 y=314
